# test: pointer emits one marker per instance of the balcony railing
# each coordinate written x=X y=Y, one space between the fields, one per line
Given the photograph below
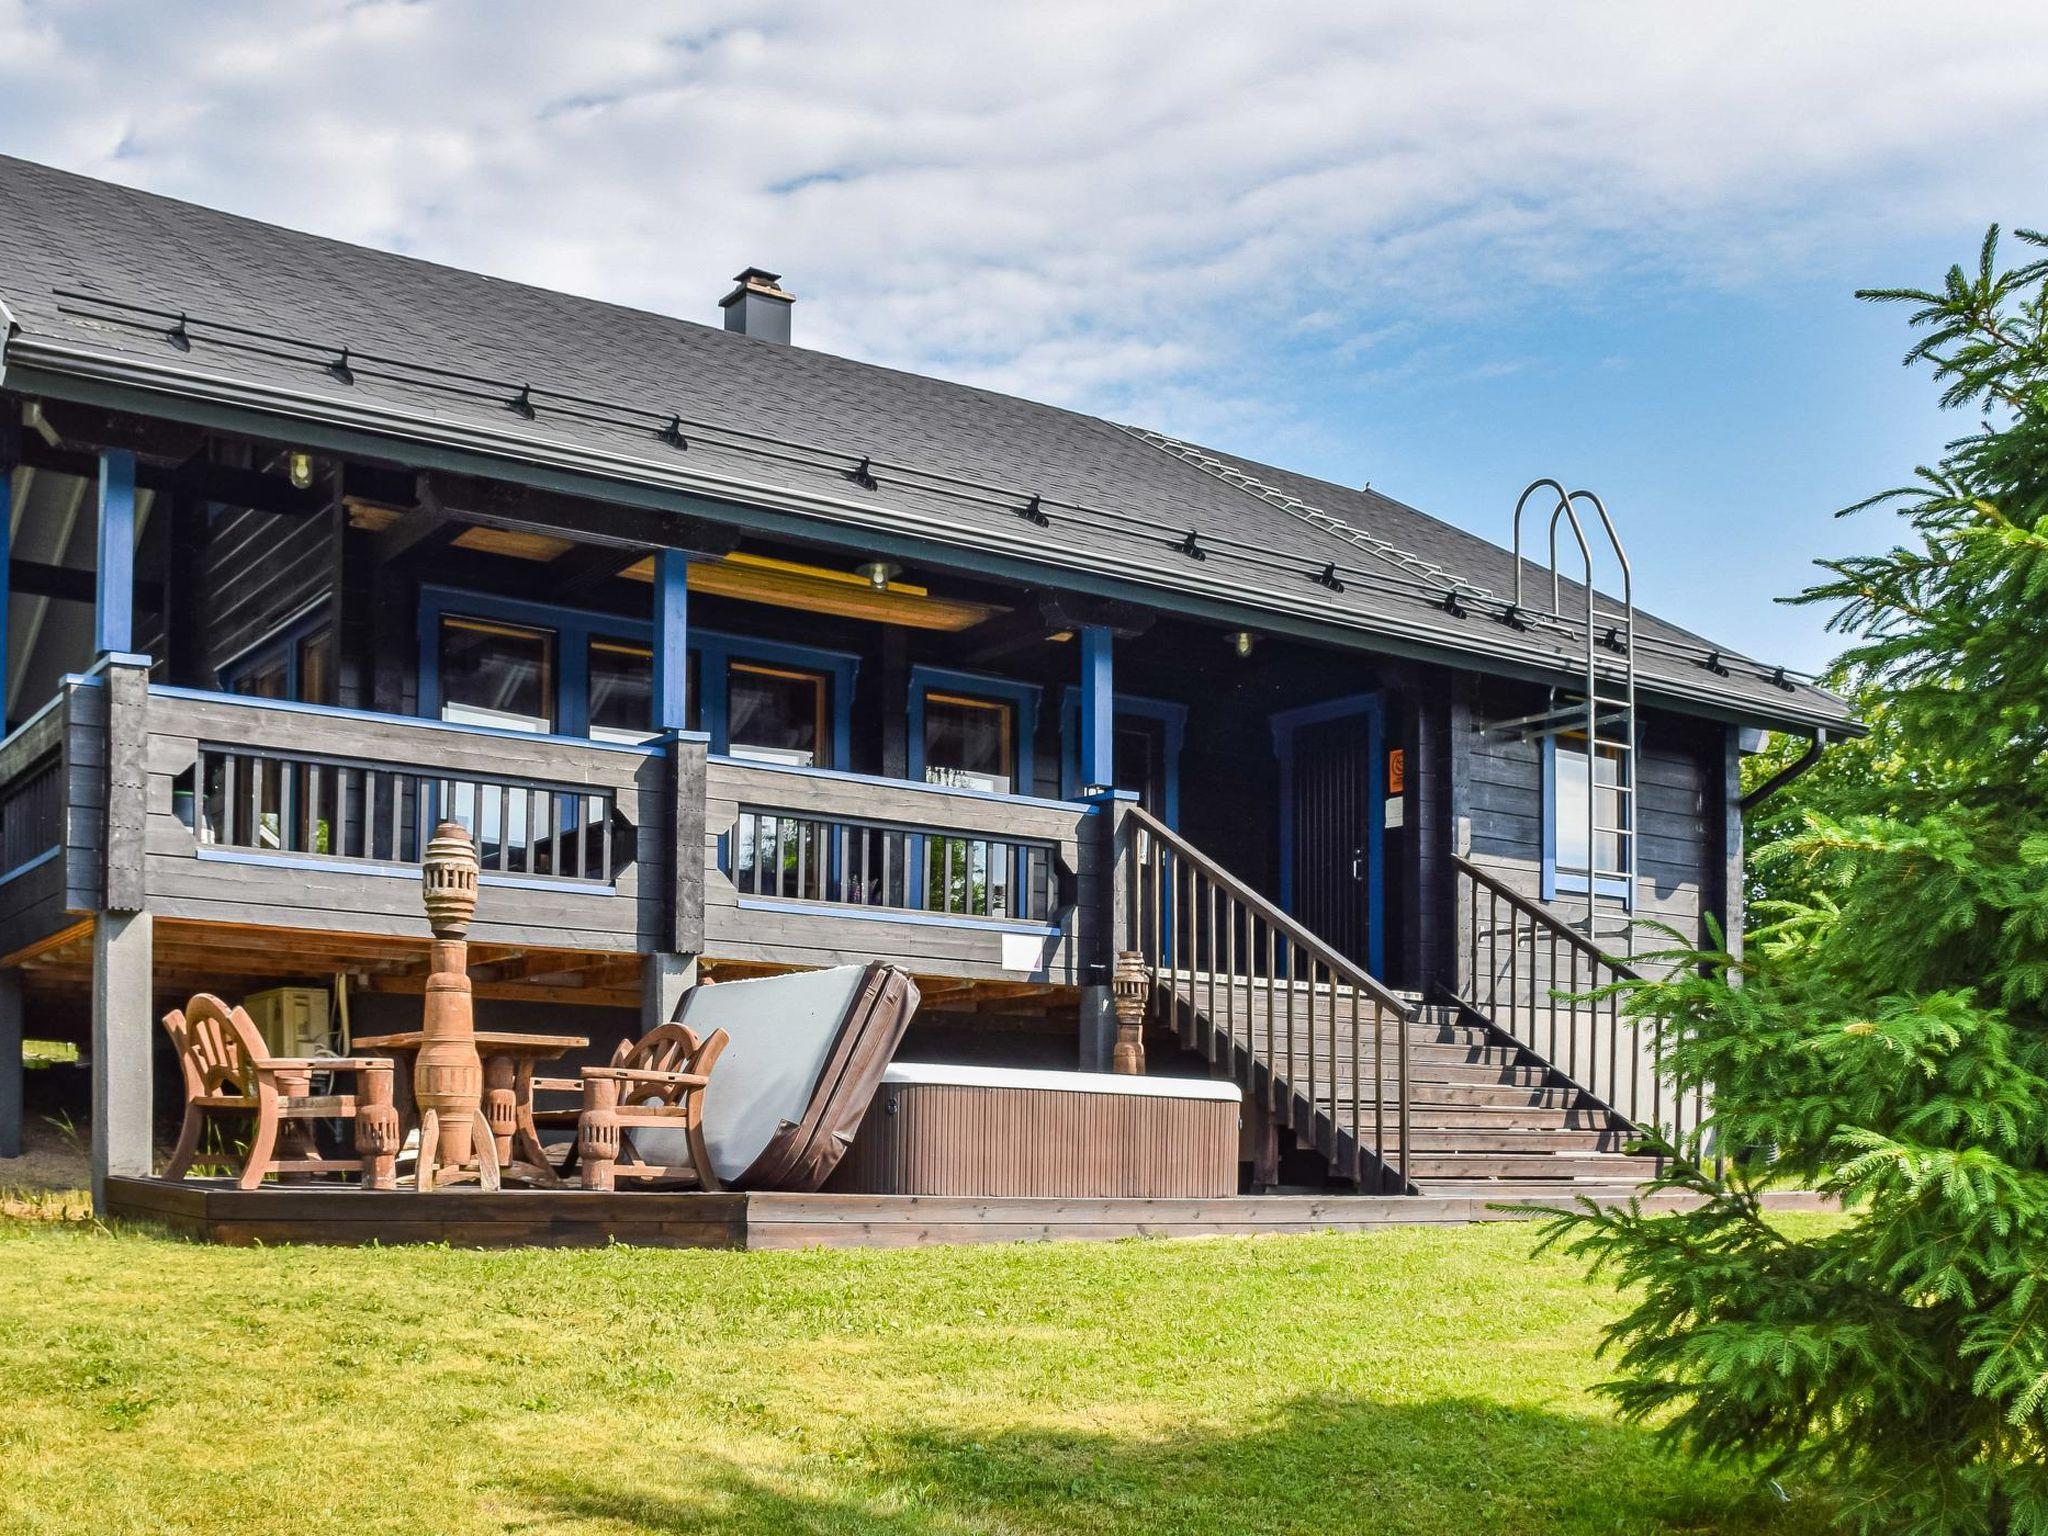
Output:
x=855 y=862
x=268 y=801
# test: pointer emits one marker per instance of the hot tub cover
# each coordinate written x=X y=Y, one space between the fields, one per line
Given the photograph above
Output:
x=806 y=1054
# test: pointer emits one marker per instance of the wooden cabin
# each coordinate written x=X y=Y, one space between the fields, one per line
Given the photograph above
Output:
x=738 y=657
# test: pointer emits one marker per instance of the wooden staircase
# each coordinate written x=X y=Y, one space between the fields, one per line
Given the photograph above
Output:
x=1485 y=1116
x=1393 y=1093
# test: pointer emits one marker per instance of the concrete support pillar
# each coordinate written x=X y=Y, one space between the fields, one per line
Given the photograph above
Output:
x=122 y=1038
x=664 y=981
x=10 y=1063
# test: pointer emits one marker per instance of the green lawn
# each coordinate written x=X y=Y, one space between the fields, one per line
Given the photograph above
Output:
x=1409 y=1381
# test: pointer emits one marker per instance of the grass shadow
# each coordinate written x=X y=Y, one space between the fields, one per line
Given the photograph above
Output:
x=1319 y=1464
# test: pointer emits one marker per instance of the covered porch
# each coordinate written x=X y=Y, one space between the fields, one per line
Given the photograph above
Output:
x=244 y=681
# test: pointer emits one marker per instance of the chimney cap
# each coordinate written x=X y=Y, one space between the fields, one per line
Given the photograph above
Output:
x=756 y=280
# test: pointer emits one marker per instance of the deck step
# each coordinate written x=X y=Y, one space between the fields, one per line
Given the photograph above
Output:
x=1514 y=1167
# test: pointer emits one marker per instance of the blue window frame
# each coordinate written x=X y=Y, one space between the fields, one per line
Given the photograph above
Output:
x=574 y=630
x=947 y=685
x=1565 y=832
x=285 y=665
x=1173 y=722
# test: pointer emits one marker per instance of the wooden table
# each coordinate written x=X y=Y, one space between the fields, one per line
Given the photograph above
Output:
x=509 y=1057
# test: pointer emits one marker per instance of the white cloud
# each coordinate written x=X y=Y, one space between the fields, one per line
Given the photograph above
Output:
x=1120 y=207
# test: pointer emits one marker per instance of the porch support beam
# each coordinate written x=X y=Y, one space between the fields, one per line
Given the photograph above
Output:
x=671 y=640
x=10 y=455
x=122 y=1002
x=665 y=980
x=10 y=1063
x=1098 y=709
x=123 y=949
x=1111 y=931
x=114 y=597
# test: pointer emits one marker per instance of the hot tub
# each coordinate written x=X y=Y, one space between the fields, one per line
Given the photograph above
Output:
x=995 y=1131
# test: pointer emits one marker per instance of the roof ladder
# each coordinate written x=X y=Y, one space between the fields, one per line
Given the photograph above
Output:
x=1605 y=711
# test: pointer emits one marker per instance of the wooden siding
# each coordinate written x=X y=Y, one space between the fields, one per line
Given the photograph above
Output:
x=262 y=571
x=953 y=1139
x=1677 y=859
x=790 y=933
x=343 y=895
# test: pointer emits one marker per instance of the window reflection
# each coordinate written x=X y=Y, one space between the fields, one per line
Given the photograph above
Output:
x=969 y=743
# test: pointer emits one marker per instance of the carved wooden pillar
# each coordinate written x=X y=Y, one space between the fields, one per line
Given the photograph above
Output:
x=448 y=1075
x=597 y=1130
x=1132 y=985
x=377 y=1126
x=295 y=1137
x=501 y=1103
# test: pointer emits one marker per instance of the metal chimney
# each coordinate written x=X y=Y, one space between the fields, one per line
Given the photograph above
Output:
x=758 y=307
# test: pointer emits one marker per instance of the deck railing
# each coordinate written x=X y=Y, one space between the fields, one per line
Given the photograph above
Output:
x=858 y=862
x=1311 y=1030
x=296 y=803
x=1539 y=980
x=31 y=814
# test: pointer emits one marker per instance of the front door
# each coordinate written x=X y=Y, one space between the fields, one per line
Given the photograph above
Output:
x=1334 y=832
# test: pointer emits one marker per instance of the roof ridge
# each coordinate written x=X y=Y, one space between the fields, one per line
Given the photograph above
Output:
x=1426 y=570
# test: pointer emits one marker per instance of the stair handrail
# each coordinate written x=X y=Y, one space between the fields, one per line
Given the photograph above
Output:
x=1525 y=1005
x=1160 y=939
x=1548 y=919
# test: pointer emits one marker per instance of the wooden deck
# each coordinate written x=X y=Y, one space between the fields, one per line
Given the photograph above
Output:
x=577 y=1219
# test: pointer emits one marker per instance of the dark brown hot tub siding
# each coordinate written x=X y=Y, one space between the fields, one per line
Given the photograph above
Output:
x=947 y=1139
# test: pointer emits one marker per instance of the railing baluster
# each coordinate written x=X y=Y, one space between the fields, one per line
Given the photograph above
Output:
x=1379 y=1136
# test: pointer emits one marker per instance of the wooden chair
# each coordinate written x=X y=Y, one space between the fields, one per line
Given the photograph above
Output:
x=228 y=1071
x=657 y=1081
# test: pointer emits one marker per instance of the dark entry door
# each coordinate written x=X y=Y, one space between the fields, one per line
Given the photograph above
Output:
x=1334 y=821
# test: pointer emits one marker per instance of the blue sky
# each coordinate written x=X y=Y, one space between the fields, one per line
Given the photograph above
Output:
x=1444 y=248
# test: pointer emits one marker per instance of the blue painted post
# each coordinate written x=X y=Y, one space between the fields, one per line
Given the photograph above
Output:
x=1098 y=710
x=7 y=452
x=671 y=640
x=114 y=602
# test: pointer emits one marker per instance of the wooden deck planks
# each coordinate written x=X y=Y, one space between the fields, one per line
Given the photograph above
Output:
x=578 y=1218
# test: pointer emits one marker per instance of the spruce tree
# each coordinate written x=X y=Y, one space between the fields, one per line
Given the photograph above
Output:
x=1884 y=1037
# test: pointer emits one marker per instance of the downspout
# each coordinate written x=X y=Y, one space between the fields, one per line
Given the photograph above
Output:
x=8 y=327
x=1788 y=773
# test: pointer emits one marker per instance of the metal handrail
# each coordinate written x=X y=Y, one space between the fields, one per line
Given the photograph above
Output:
x=1539 y=981
x=1297 y=1048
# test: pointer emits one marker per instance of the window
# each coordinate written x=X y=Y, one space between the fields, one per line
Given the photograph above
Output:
x=969 y=743
x=295 y=665
x=1569 y=836
x=497 y=674
x=532 y=666
x=622 y=691
x=777 y=714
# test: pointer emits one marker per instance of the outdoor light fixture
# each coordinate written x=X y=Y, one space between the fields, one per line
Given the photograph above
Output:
x=300 y=466
x=1242 y=641
x=879 y=573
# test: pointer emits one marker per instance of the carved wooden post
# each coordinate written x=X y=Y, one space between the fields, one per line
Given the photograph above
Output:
x=501 y=1103
x=448 y=1075
x=377 y=1126
x=1132 y=984
x=597 y=1130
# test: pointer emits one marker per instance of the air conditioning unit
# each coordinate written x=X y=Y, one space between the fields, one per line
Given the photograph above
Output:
x=294 y=1021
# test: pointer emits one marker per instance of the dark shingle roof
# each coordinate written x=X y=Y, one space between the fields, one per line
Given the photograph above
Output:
x=96 y=274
